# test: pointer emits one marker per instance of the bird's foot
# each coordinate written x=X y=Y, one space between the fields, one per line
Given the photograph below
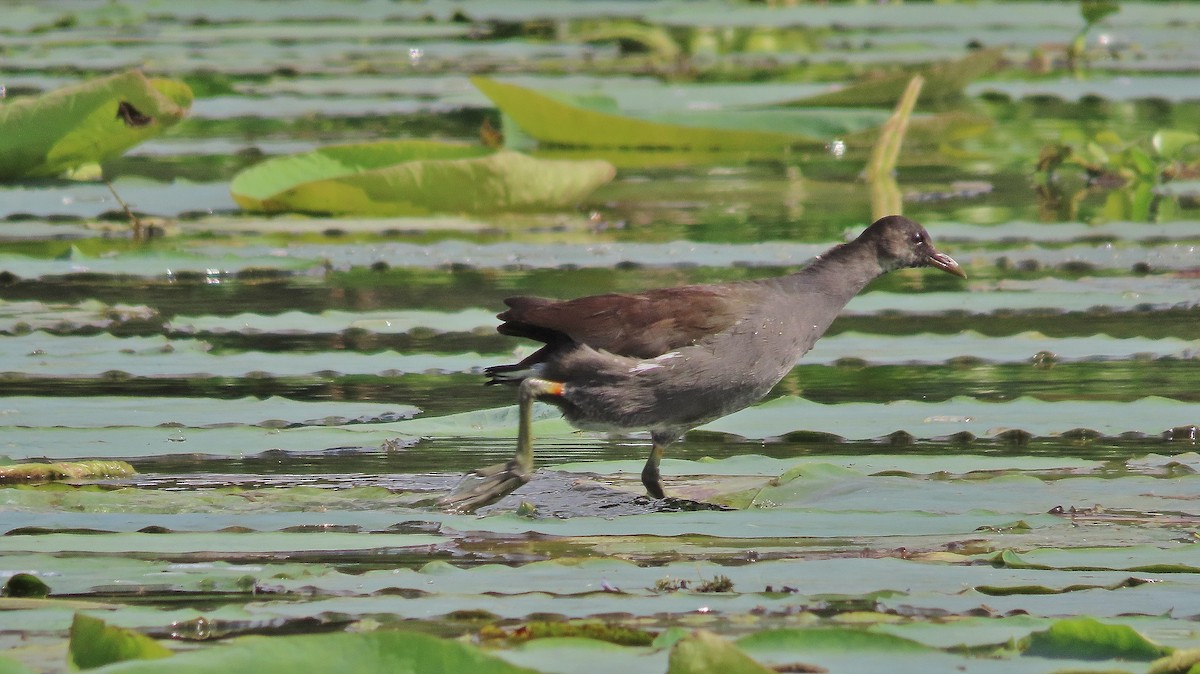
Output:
x=484 y=486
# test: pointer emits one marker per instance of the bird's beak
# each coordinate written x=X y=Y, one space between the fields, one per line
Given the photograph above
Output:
x=946 y=263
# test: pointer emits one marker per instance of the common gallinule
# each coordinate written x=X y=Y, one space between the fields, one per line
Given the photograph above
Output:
x=671 y=359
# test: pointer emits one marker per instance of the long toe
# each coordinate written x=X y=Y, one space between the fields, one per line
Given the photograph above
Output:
x=483 y=487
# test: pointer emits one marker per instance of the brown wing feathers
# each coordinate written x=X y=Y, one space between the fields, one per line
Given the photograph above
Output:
x=643 y=325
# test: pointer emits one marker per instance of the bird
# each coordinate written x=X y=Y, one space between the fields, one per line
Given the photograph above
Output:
x=671 y=359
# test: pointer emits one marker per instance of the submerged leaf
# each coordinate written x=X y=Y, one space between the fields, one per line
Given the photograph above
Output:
x=90 y=122
x=415 y=177
x=95 y=643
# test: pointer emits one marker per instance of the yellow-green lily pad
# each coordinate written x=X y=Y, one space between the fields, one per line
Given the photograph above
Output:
x=87 y=123
x=416 y=177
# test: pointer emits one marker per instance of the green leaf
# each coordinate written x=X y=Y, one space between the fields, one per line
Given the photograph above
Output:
x=944 y=82
x=1141 y=163
x=650 y=38
x=26 y=585
x=1168 y=143
x=415 y=177
x=1009 y=559
x=703 y=652
x=259 y=183
x=1085 y=638
x=342 y=652
x=67 y=470
x=10 y=666
x=807 y=123
x=554 y=122
x=89 y=122
x=1094 y=11
x=95 y=643
x=1008 y=590
x=828 y=639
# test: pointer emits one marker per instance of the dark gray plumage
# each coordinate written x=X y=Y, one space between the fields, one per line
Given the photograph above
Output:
x=671 y=359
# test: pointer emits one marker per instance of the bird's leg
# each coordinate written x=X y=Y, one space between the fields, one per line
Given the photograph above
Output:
x=484 y=486
x=650 y=475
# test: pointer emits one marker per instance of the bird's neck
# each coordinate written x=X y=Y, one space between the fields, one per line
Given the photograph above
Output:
x=840 y=273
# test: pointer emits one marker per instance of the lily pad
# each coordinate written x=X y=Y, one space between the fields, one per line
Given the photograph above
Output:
x=377 y=651
x=94 y=644
x=944 y=82
x=1089 y=639
x=415 y=177
x=9 y=666
x=554 y=122
x=78 y=470
x=87 y=123
x=704 y=652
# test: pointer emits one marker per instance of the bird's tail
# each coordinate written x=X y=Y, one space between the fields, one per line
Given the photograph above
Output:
x=511 y=375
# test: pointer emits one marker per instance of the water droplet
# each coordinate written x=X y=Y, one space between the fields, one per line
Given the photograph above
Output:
x=837 y=148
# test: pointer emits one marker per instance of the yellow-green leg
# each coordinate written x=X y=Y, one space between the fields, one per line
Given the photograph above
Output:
x=484 y=486
x=650 y=475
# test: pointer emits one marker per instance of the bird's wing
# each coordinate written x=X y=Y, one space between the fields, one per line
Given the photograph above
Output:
x=642 y=325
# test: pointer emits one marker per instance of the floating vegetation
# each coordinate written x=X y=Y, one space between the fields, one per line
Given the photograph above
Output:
x=239 y=422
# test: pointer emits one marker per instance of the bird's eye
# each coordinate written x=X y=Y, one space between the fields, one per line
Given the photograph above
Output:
x=918 y=238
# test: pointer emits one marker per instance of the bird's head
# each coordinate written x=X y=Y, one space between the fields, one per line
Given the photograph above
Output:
x=900 y=242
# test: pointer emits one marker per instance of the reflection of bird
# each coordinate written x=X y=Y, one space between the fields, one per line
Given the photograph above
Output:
x=671 y=359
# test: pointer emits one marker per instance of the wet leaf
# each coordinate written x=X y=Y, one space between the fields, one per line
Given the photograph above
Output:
x=413 y=177
x=91 y=122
